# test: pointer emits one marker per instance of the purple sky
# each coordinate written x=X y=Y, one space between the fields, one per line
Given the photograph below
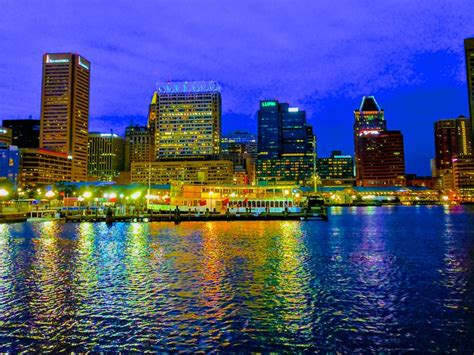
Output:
x=320 y=55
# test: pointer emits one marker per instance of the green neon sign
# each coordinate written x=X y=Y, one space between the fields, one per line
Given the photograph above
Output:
x=269 y=104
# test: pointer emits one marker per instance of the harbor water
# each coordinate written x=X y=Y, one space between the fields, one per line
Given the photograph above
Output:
x=369 y=279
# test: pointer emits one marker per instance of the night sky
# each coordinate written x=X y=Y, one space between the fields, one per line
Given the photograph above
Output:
x=319 y=55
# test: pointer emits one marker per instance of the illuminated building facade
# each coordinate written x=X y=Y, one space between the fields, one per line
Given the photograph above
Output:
x=379 y=153
x=369 y=117
x=469 y=52
x=241 y=149
x=105 y=156
x=338 y=169
x=186 y=120
x=285 y=143
x=65 y=108
x=199 y=172
x=43 y=167
x=380 y=159
x=5 y=135
x=463 y=177
x=452 y=139
x=138 y=146
x=9 y=163
x=25 y=133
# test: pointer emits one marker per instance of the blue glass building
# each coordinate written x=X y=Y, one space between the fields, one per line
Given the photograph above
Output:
x=285 y=143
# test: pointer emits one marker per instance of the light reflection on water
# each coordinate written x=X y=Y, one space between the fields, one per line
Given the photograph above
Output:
x=371 y=278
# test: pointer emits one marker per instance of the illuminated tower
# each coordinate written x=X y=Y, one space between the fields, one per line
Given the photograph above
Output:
x=379 y=153
x=65 y=109
x=185 y=118
x=369 y=117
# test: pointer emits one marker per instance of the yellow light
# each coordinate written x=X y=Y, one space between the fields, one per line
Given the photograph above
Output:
x=49 y=194
x=113 y=195
x=445 y=198
x=136 y=195
x=3 y=192
x=87 y=194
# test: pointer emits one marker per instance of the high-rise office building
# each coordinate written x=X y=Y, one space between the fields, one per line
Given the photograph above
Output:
x=379 y=153
x=186 y=121
x=452 y=139
x=338 y=169
x=65 y=108
x=380 y=159
x=25 y=133
x=469 y=52
x=285 y=143
x=5 y=135
x=105 y=156
x=138 y=145
x=241 y=149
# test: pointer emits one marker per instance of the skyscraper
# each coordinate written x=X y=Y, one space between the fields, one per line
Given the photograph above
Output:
x=138 y=146
x=65 y=108
x=469 y=52
x=380 y=159
x=452 y=139
x=379 y=153
x=186 y=121
x=452 y=142
x=105 y=155
x=241 y=149
x=285 y=143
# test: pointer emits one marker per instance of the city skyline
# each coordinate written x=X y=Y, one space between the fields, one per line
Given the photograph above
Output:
x=415 y=68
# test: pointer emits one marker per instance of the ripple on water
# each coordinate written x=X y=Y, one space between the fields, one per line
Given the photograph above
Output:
x=375 y=279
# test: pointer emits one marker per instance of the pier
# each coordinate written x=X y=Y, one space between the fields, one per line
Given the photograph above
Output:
x=178 y=217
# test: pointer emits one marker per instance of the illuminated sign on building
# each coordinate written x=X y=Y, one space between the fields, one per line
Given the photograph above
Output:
x=293 y=109
x=368 y=132
x=82 y=64
x=52 y=60
x=268 y=104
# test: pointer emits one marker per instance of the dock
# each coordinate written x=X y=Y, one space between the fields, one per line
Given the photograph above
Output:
x=191 y=217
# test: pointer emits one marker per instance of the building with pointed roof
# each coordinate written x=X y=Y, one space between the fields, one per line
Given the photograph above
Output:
x=379 y=153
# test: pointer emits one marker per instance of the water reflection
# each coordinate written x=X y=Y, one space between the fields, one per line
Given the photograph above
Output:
x=379 y=279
